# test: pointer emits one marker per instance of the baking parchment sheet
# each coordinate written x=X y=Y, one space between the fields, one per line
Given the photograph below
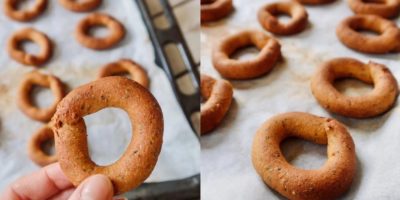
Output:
x=109 y=129
x=227 y=171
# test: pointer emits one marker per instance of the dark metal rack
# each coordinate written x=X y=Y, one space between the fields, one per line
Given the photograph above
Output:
x=189 y=103
x=183 y=189
x=187 y=188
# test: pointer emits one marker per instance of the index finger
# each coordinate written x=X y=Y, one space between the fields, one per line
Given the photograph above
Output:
x=42 y=184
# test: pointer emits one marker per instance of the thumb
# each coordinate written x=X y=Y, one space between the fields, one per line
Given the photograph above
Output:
x=96 y=187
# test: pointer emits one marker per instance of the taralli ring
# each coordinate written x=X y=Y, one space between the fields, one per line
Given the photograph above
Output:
x=80 y=6
x=378 y=101
x=315 y=2
x=217 y=96
x=270 y=53
x=136 y=71
x=83 y=35
x=12 y=11
x=387 y=40
x=24 y=95
x=35 y=147
x=267 y=18
x=16 y=52
x=328 y=182
x=385 y=8
x=140 y=157
x=213 y=10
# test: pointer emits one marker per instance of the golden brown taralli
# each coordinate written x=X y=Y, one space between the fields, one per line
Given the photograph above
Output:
x=12 y=11
x=122 y=66
x=299 y=17
x=385 y=8
x=328 y=182
x=217 y=95
x=24 y=95
x=213 y=10
x=141 y=155
x=270 y=53
x=30 y=34
x=387 y=41
x=35 y=147
x=82 y=33
x=378 y=101
x=79 y=5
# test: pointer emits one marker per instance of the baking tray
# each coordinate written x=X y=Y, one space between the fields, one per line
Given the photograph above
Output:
x=187 y=188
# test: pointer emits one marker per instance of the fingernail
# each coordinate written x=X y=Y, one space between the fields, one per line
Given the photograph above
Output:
x=96 y=188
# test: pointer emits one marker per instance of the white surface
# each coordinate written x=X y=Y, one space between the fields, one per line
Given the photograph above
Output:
x=227 y=171
x=108 y=130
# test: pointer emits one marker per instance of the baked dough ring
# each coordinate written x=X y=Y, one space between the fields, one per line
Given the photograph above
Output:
x=82 y=32
x=270 y=52
x=378 y=101
x=12 y=11
x=267 y=17
x=315 y=2
x=17 y=53
x=387 y=41
x=386 y=8
x=24 y=95
x=217 y=95
x=35 y=150
x=328 y=182
x=80 y=5
x=213 y=10
x=136 y=71
x=140 y=157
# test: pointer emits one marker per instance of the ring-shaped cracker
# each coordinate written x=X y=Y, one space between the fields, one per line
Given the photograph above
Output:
x=298 y=22
x=29 y=34
x=328 y=182
x=378 y=101
x=383 y=8
x=217 y=95
x=83 y=35
x=387 y=40
x=141 y=155
x=12 y=11
x=213 y=10
x=35 y=146
x=24 y=95
x=136 y=71
x=270 y=53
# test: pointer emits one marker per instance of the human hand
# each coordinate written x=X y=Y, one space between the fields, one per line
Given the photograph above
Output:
x=51 y=183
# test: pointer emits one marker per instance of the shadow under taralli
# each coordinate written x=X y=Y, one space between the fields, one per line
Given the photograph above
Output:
x=369 y=125
x=392 y=56
x=215 y=137
x=127 y=40
x=303 y=34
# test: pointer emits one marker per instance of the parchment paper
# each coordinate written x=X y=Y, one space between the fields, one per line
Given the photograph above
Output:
x=227 y=171
x=109 y=129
